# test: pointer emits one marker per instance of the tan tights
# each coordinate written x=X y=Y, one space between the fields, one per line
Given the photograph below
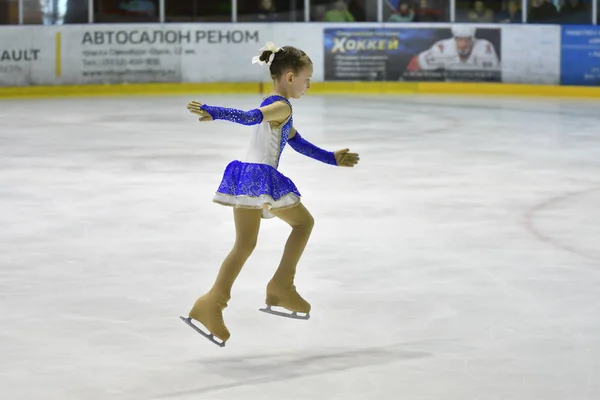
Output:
x=247 y=224
x=280 y=290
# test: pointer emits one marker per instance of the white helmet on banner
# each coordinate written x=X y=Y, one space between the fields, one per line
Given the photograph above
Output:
x=463 y=31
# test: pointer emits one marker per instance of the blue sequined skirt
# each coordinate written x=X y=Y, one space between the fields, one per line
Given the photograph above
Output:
x=260 y=186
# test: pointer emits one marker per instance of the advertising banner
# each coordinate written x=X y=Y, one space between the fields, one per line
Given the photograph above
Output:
x=222 y=52
x=169 y=53
x=26 y=59
x=109 y=54
x=460 y=53
x=531 y=54
x=580 y=55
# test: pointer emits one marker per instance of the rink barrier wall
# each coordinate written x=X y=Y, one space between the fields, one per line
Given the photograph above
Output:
x=318 y=88
x=361 y=58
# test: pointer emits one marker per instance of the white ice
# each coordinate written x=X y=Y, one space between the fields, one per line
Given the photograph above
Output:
x=460 y=260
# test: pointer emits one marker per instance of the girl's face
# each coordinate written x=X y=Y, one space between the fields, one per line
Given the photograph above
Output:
x=299 y=83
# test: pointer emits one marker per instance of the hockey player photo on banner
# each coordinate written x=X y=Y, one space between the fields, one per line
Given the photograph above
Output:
x=459 y=53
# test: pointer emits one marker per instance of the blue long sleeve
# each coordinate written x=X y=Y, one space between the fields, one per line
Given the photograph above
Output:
x=310 y=150
x=251 y=117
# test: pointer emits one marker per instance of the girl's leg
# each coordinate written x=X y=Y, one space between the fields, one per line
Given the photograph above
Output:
x=281 y=290
x=247 y=224
x=208 y=309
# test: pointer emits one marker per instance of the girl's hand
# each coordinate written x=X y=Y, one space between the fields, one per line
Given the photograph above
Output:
x=194 y=107
x=346 y=159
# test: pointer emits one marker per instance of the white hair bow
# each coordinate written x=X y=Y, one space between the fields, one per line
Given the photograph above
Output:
x=269 y=46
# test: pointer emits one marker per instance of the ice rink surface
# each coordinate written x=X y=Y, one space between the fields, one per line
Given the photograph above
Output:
x=460 y=260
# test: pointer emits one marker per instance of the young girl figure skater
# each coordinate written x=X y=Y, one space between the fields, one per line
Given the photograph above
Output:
x=257 y=190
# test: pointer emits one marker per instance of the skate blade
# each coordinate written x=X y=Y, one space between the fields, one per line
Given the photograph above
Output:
x=210 y=337
x=293 y=314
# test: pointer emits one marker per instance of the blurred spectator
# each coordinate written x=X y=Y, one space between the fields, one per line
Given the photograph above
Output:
x=266 y=12
x=339 y=13
x=357 y=10
x=542 y=11
x=574 y=12
x=43 y=12
x=77 y=12
x=513 y=13
x=317 y=12
x=197 y=10
x=125 y=11
x=425 y=12
x=9 y=12
x=405 y=13
x=138 y=7
x=479 y=13
x=33 y=13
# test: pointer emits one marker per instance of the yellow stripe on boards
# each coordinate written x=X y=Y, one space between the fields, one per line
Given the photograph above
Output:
x=333 y=88
x=58 y=55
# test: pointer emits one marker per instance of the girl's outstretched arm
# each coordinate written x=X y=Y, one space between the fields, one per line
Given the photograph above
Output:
x=341 y=157
x=277 y=112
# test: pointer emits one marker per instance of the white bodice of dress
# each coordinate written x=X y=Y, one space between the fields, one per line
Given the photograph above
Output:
x=267 y=143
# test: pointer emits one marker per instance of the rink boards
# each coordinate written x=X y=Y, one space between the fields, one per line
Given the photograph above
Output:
x=364 y=58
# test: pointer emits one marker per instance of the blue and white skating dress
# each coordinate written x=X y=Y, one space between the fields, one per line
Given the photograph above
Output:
x=255 y=181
